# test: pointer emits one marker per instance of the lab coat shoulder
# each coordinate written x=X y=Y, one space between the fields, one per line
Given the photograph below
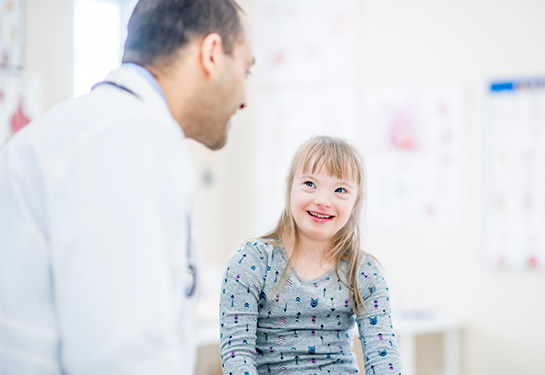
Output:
x=121 y=156
x=107 y=120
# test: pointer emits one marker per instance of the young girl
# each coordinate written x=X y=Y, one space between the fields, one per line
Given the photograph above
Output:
x=290 y=299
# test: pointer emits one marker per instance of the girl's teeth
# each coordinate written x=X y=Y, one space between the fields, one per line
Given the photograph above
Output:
x=319 y=216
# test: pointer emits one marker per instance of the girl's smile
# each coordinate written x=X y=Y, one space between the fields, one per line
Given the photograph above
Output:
x=319 y=215
x=320 y=218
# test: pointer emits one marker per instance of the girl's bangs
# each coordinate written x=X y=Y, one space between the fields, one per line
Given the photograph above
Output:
x=337 y=161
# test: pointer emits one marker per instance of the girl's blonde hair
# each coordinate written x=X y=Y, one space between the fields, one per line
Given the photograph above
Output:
x=341 y=160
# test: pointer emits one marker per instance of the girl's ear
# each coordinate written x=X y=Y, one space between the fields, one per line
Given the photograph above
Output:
x=212 y=54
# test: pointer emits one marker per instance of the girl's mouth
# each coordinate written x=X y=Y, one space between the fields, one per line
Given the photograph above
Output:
x=319 y=216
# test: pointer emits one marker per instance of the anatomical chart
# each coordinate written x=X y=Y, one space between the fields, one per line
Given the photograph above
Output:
x=415 y=153
x=514 y=175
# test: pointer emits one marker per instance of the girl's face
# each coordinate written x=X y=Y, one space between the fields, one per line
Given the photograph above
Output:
x=321 y=204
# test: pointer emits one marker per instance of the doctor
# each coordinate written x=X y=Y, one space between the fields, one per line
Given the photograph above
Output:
x=97 y=271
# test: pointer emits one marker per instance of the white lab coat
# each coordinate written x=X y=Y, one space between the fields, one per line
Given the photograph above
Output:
x=95 y=198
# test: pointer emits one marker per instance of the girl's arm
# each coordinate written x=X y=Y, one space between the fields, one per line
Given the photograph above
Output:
x=241 y=288
x=378 y=341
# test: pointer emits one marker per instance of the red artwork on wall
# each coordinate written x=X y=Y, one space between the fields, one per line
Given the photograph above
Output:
x=20 y=103
x=19 y=119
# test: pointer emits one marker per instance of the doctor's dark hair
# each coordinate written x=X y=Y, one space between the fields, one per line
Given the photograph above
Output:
x=159 y=29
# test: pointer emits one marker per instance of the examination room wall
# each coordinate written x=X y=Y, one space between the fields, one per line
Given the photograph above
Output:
x=466 y=42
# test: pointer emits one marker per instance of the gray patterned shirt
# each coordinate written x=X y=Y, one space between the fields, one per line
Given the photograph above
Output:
x=307 y=326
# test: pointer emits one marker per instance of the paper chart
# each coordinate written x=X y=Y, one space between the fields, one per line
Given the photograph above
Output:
x=514 y=176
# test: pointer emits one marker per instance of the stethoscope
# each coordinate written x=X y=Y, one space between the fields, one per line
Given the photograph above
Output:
x=191 y=270
x=190 y=276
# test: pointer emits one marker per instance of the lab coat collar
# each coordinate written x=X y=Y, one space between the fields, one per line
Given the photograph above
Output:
x=132 y=80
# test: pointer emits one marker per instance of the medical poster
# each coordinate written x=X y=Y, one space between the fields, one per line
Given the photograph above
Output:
x=11 y=34
x=514 y=175
x=20 y=103
x=307 y=42
x=415 y=153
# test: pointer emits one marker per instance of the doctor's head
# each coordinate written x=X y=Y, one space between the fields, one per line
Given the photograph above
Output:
x=200 y=52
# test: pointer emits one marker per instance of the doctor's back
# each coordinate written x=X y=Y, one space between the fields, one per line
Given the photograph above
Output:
x=96 y=205
x=87 y=204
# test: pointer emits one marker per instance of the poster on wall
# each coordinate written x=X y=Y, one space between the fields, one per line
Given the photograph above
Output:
x=11 y=34
x=20 y=103
x=514 y=175
x=414 y=142
x=311 y=41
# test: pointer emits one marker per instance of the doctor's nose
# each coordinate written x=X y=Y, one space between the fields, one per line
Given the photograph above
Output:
x=242 y=106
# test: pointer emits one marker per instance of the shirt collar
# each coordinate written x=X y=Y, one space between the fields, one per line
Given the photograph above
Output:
x=147 y=75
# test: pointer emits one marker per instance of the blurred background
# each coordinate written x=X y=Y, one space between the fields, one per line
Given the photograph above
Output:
x=446 y=102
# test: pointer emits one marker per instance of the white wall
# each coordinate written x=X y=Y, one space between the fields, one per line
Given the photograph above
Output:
x=48 y=49
x=465 y=41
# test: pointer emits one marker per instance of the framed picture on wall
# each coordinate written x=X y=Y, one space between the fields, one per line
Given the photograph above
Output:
x=20 y=102
x=11 y=34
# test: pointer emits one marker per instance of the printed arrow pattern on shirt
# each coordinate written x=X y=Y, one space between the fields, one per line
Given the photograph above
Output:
x=305 y=327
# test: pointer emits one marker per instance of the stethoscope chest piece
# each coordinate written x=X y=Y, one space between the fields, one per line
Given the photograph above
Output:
x=190 y=280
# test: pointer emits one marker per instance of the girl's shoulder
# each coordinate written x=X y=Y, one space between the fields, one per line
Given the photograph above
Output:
x=369 y=268
x=367 y=259
x=256 y=250
x=258 y=246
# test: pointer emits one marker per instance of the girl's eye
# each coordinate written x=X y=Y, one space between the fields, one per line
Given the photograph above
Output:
x=340 y=190
x=309 y=183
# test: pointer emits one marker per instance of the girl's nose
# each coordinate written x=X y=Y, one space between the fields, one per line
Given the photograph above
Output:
x=322 y=199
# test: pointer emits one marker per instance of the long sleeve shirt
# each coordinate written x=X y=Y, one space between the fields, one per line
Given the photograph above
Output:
x=307 y=325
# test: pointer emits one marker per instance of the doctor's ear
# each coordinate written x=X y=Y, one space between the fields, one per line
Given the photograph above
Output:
x=212 y=54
